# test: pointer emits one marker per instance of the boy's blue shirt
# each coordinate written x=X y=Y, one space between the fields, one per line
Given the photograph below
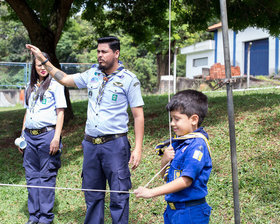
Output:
x=192 y=159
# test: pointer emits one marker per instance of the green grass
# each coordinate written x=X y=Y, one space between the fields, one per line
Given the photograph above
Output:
x=257 y=125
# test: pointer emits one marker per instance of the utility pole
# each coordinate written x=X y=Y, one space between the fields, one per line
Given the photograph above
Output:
x=230 y=108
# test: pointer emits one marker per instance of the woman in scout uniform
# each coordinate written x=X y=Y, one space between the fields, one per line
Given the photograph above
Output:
x=42 y=125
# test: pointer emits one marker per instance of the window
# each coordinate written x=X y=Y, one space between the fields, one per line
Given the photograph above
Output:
x=200 y=62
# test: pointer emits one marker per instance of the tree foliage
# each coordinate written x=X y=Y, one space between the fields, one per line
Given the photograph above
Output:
x=241 y=14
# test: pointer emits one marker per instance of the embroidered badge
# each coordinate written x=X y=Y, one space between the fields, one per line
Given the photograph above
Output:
x=114 y=97
x=197 y=155
x=136 y=84
x=177 y=174
x=44 y=101
x=119 y=84
x=89 y=94
x=94 y=82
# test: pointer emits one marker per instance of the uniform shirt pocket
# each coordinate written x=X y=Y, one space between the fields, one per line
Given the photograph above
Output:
x=116 y=95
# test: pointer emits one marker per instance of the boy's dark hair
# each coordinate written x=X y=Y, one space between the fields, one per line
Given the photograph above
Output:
x=189 y=102
x=114 y=42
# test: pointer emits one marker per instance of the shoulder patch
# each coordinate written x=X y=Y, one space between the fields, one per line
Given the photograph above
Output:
x=136 y=84
x=94 y=65
x=129 y=73
x=197 y=155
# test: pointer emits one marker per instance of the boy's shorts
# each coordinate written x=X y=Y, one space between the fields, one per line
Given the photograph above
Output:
x=198 y=214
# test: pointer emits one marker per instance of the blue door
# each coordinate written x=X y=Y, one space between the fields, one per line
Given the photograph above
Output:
x=258 y=57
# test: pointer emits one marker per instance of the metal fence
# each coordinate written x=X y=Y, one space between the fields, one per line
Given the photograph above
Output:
x=16 y=75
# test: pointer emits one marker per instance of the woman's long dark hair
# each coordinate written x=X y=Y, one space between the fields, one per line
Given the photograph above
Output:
x=33 y=80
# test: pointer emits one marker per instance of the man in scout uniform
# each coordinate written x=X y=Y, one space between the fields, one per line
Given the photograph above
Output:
x=111 y=88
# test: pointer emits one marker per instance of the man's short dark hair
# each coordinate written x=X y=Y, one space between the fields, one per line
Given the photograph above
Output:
x=189 y=102
x=114 y=42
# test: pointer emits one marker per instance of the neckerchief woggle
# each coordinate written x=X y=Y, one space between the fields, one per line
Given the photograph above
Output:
x=105 y=80
x=160 y=147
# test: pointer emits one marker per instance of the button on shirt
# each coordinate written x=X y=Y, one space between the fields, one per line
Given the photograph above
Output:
x=40 y=114
x=110 y=115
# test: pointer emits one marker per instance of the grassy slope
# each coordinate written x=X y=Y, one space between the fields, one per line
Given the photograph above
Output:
x=257 y=116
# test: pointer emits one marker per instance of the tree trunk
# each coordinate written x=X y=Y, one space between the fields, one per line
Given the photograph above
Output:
x=162 y=62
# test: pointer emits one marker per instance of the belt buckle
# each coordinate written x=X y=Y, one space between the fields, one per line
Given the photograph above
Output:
x=97 y=141
x=34 y=132
x=172 y=206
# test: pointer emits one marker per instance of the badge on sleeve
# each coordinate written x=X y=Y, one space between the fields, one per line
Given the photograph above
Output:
x=197 y=155
x=136 y=84
x=177 y=174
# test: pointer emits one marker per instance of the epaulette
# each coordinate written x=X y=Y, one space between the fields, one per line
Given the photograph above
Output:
x=131 y=74
x=94 y=65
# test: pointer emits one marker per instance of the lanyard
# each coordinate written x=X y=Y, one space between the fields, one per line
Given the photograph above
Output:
x=105 y=80
x=35 y=96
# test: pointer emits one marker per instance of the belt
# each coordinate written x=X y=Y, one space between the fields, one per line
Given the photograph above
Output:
x=40 y=131
x=185 y=204
x=102 y=139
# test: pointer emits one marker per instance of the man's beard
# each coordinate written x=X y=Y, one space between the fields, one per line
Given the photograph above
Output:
x=106 y=67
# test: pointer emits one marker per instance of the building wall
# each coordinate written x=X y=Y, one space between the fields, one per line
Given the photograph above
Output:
x=193 y=71
x=249 y=34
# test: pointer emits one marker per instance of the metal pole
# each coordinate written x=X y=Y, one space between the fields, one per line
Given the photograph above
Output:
x=248 y=65
x=174 y=70
x=230 y=107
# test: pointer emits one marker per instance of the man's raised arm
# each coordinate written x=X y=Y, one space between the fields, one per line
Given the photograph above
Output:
x=60 y=76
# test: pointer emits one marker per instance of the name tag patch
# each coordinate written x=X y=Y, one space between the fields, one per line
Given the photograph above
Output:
x=197 y=155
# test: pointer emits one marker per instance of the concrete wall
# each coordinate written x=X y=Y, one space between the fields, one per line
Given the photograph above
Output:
x=11 y=97
x=78 y=94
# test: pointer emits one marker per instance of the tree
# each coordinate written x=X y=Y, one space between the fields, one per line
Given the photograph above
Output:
x=44 y=21
x=241 y=14
x=148 y=23
x=12 y=35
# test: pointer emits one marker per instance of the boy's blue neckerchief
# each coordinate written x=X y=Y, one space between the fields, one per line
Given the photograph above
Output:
x=160 y=151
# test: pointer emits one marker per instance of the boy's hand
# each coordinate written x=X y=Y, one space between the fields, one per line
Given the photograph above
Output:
x=142 y=192
x=169 y=154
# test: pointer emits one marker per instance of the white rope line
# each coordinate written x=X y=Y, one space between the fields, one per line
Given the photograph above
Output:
x=157 y=174
x=65 y=188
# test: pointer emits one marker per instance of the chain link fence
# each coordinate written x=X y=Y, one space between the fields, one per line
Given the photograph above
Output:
x=16 y=75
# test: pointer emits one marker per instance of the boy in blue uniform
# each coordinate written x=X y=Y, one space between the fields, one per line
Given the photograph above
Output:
x=190 y=162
